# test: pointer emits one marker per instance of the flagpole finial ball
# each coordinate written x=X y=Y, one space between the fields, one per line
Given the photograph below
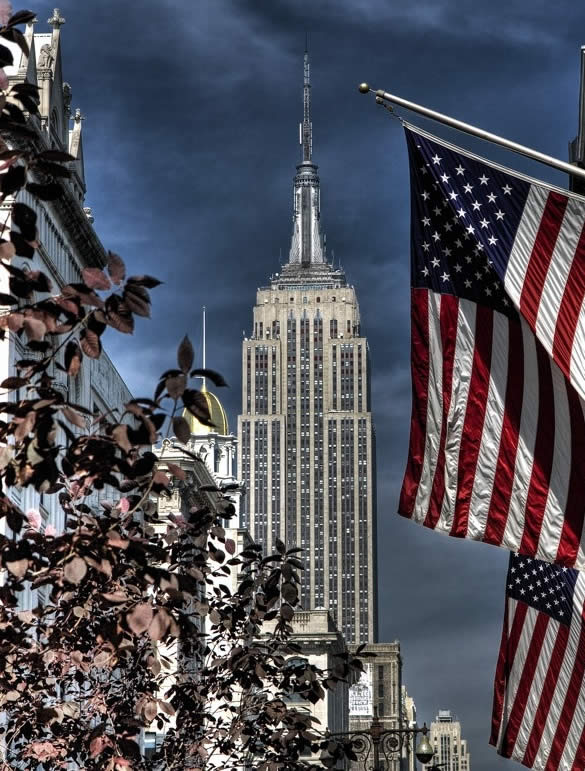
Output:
x=363 y=88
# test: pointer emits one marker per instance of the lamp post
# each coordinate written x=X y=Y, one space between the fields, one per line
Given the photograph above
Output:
x=386 y=743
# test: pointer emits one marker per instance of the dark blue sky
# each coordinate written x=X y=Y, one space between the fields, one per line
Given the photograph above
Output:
x=191 y=139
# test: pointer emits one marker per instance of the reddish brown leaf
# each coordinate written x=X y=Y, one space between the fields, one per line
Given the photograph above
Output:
x=159 y=625
x=18 y=568
x=73 y=417
x=34 y=328
x=185 y=355
x=96 y=278
x=176 y=471
x=13 y=382
x=116 y=268
x=75 y=570
x=90 y=343
x=72 y=358
x=176 y=386
x=140 y=618
x=181 y=429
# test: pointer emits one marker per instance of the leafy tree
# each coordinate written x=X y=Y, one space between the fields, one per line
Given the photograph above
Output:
x=120 y=594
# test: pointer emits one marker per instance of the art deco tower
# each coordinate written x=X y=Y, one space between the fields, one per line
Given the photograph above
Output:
x=306 y=438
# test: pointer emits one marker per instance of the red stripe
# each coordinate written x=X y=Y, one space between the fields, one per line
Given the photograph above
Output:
x=504 y=478
x=509 y=653
x=474 y=418
x=449 y=316
x=579 y=761
x=500 y=680
x=524 y=686
x=575 y=506
x=546 y=696
x=568 y=314
x=419 y=346
x=543 y=456
x=516 y=631
x=540 y=258
x=568 y=709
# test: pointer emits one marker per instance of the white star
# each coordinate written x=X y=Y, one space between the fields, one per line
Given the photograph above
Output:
x=425 y=195
x=459 y=243
x=436 y=210
x=467 y=283
x=424 y=169
x=435 y=262
x=478 y=275
x=459 y=169
x=425 y=271
x=453 y=195
x=500 y=215
x=492 y=198
x=470 y=229
x=492 y=240
x=461 y=212
x=426 y=246
x=484 y=180
x=426 y=221
x=435 y=159
x=479 y=247
x=468 y=259
x=445 y=276
x=476 y=205
x=484 y=223
x=447 y=252
x=458 y=268
x=507 y=190
x=505 y=301
x=445 y=177
x=448 y=226
x=436 y=236
x=488 y=291
x=468 y=188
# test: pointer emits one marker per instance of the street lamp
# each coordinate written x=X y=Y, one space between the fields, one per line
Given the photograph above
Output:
x=388 y=741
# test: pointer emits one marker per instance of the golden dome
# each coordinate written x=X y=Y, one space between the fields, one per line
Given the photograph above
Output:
x=217 y=413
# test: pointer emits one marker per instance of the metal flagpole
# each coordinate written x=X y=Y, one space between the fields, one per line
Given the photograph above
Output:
x=568 y=168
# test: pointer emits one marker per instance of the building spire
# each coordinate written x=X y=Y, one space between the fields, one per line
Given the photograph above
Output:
x=306 y=128
x=306 y=246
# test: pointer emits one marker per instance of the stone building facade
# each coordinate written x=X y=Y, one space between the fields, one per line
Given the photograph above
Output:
x=306 y=436
x=67 y=239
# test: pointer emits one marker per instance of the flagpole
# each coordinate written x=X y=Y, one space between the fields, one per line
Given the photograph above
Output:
x=568 y=168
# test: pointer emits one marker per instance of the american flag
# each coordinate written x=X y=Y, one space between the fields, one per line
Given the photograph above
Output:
x=497 y=441
x=539 y=702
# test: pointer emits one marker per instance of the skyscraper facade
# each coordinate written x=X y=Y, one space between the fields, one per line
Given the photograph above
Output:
x=450 y=749
x=306 y=438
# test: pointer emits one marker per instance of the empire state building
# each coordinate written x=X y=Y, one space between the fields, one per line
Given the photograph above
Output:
x=306 y=438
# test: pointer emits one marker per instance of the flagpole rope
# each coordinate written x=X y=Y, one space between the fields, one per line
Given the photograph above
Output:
x=536 y=155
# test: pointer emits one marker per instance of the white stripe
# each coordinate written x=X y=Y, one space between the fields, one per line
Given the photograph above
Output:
x=524 y=243
x=535 y=691
x=517 y=665
x=577 y=363
x=434 y=410
x=526 y=441
x=554 y=513
x=558 y=273
x=492 y=431
x=572 y=653
x=578 y=721
x=462 y=371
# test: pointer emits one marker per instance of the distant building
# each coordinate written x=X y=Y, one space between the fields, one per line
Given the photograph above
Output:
x=380 y=691
x=306 y=436
x=450 y=749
